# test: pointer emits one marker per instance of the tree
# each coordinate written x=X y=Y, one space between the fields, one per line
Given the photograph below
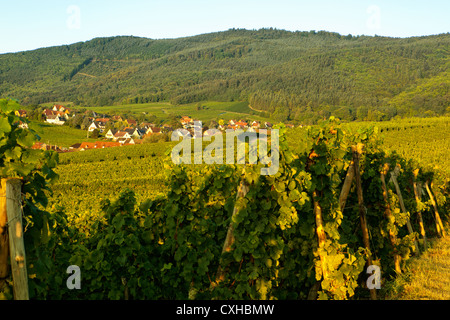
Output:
x=85 y=123
x=94 y=134
x=76 y=121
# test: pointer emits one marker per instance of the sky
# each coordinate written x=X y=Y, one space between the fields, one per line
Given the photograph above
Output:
x=31 y=24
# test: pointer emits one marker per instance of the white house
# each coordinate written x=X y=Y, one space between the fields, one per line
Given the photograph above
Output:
x=55 y=119
x=100 y=126
x=134 y=132
x=121 y=135
x=153 y=130
x=110 y=134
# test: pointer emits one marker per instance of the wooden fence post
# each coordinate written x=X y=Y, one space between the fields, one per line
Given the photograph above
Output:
x=419 y=213
x=15 y=230
x=439 y=225
x=388 y=215
x=357 y=153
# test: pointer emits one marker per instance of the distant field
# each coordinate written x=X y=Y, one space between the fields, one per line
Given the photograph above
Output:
x=63 y=136
x=204 y=111
x=427 y=140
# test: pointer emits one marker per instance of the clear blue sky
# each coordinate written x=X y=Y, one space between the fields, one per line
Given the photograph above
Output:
x=31 y=24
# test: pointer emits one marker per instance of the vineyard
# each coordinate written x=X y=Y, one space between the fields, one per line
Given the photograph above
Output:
x=140 y=227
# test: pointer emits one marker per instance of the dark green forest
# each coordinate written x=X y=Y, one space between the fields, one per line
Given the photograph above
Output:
x=291 y=76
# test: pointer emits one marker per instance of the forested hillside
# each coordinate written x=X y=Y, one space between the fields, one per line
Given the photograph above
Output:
x=293 y=76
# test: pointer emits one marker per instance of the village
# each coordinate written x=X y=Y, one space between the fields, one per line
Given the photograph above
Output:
x=115 y=131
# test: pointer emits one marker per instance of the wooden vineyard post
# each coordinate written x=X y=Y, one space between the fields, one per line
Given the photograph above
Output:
x=388 y=215
x=16 y=244
x=419 y=213
x=357 y=152
x=439 y=225
x=229 y=240
x=321 y=239
x=394 y=175
x=4 y=242
x=346 y=186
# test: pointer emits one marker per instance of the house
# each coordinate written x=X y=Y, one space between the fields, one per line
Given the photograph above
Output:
x=98 y=145
x=58 y=107
x=140 y=133
x=62 y=114
x=134 y=132
x=222 y=125
x=166 y=128
x=291 y=126
x=48 y=112
x=75 y=146
x=110 y=134
x=23 y=125
x=121 y=135
x=56 y=119
x=100 y=126
x=153 y=130
x=125 y=141
x=146 y=125
x=21 y=113
x=255 y=124
x=117 y=118
x=104 y=120
x=211 y=132
x=55 y=116
x=241 y=124
x=132 y=122
x=268 y=125
x=93 y=126
x=186 y=122
x=44 y=146
x=177 y=134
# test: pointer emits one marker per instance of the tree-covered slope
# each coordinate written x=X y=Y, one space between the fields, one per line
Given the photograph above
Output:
x=292 y=75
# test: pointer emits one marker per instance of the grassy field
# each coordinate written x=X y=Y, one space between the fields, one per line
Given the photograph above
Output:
x=204 y=111
x=63 y=136
x=428 y=277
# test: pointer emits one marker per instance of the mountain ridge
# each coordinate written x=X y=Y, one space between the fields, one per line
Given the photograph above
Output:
x=292 y=75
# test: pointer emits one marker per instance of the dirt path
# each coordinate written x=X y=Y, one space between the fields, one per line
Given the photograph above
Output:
x=87 y=75
x=255 y=109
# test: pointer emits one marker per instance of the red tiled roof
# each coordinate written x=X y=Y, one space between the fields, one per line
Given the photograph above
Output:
x=119 y=134
x=48 y=112
x=102 y=120
x=99 y=145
